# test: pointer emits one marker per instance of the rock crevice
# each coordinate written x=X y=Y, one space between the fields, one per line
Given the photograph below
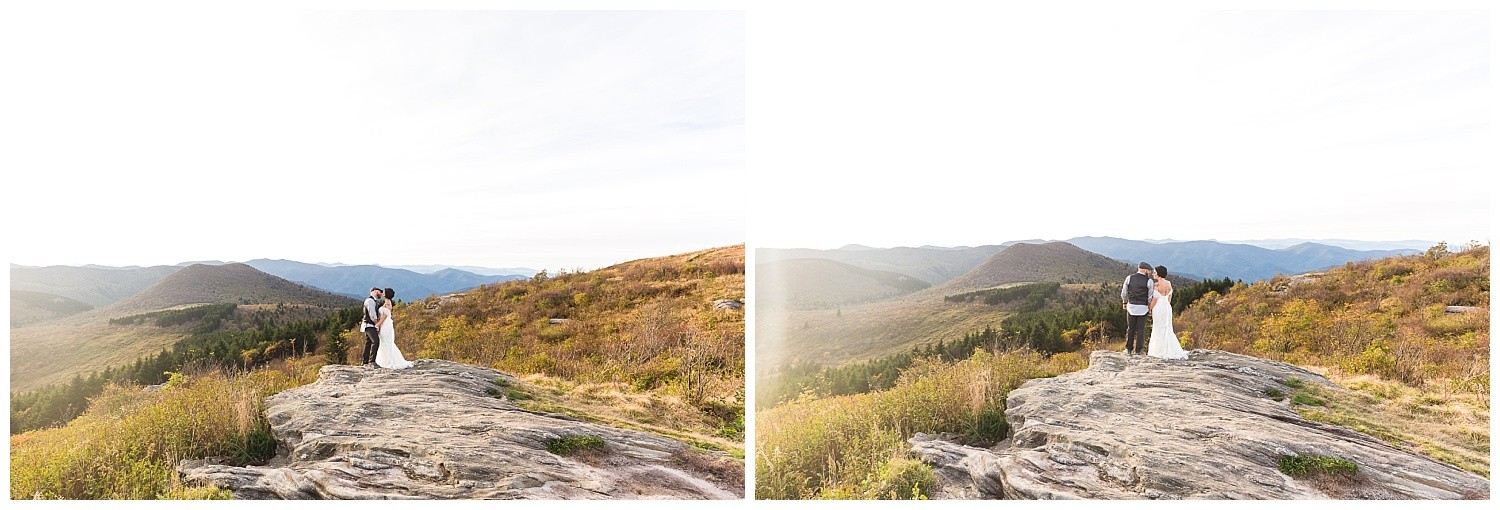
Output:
x=444 y=430
x=1131 y=427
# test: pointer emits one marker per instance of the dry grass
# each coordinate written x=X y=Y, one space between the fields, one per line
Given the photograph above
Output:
x=641 y=327
x=1447 y=426
x=128 y=443
x=855 y=446
x=618 y=405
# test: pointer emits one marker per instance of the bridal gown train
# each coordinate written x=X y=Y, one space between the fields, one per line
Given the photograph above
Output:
x=388 y=355
x=1164 y=343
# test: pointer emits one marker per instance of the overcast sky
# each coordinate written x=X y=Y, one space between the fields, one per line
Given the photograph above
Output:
x=931 y=127
x=548 y=140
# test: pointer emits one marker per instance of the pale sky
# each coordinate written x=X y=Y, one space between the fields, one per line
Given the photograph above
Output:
x=540 y=139
x=941 y=127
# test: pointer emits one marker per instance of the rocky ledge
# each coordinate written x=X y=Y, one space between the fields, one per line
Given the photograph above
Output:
x=444 y=430
x=1131 y=427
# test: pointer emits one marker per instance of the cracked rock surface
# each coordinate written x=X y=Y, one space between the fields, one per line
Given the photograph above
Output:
x=1132 y=427
x=436 y=431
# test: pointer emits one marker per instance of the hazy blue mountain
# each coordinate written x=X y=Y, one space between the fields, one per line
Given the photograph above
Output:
x=1277 y=244
x=1241 y=261
x=484 y=271
x=357 y=280
x=103 y=285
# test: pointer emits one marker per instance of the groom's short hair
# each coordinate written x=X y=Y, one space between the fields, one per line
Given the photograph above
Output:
x=373 y=289
x=1144 y=266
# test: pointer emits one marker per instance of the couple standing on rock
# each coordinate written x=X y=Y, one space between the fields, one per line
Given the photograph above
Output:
x=1148 y=290
x=380 y=331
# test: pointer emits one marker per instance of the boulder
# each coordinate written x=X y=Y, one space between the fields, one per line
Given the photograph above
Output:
x=728 y=304
x=446 y=430
x=1136 y=427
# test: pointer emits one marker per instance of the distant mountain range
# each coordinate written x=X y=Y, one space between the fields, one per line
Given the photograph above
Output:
x=1241 y=261
x=102 y=285
x=357 y=280
x=1197 y=259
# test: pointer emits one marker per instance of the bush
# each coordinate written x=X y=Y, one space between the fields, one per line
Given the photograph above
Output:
x=901 y=478
x=1274 y=394
x=254 y=447
x=1301 y=466
x=569 y=445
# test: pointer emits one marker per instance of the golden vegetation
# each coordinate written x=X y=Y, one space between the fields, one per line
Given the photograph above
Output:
x=129 y=442
x=1418 y=374
x=647 y=326
x=1382 y=317
x=855 y=446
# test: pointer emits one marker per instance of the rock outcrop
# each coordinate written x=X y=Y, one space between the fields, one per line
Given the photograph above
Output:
x=1132 y=427
x=446 y=430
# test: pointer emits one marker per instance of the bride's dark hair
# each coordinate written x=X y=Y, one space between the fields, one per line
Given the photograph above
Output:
x=1161 y=272
x=390 y=293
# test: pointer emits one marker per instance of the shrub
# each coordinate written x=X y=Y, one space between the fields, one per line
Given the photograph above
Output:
x=253 y=447
x=901 y=478
x=570 y=445
x=1301 y=466
x=1274 y=394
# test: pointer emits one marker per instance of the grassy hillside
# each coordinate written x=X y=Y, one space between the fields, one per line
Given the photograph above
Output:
x=854 y=446
x=929 y=264
x=128 y=443
x=1383 y=329
x=27 y=307
x=802 y=284
x=53 y=352
x=1049 y=262
x=227 y=283
x=646 y=326
x=96 y=286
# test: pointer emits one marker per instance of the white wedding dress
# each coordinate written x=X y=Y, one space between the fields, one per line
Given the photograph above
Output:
x=388 y=355
x=1164 y=343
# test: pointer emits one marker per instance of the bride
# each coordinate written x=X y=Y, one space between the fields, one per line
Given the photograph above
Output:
x=388 y=355
x=1164 y=342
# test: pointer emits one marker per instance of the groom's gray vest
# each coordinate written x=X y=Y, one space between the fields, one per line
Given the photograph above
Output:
x=1138 y=289
x=369 y=321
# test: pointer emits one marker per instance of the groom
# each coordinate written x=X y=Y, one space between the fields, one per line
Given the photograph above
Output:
x=1136 y=296
x=372 y=333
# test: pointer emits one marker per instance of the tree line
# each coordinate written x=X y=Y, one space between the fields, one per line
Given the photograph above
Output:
x=216 y=349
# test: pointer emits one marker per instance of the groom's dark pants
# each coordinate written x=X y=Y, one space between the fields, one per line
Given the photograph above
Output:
x=372 y=344
x=1135 y=333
